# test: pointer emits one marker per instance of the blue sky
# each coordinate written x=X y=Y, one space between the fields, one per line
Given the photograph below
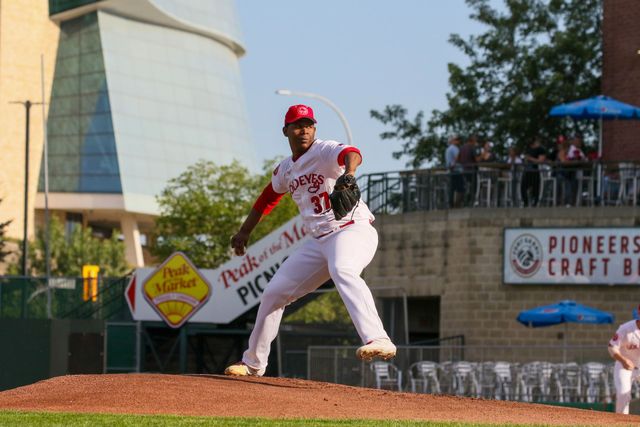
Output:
x=361 y=55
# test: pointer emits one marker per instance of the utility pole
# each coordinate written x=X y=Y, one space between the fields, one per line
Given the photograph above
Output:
x=27 y=104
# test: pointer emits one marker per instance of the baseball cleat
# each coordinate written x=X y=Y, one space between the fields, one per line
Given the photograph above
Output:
x=239 y=369
x=382 y=348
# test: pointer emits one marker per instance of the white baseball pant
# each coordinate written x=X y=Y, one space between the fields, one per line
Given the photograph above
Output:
x=341 y=256
x=623 y=378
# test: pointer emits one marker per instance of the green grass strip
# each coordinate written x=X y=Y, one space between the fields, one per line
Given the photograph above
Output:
x=67 y=419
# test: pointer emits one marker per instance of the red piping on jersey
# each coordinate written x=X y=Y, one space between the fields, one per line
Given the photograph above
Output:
x=267 y=200
x=344 y=152
x=342 y=226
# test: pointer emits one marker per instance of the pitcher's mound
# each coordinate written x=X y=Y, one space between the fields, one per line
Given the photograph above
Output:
x=214 y=395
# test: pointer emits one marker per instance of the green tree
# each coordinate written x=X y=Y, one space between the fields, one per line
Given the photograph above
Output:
x=326 y=308
x=70 y=252
x=3 y=239
x=203 y=207
x=283 y=212
x=535 y=54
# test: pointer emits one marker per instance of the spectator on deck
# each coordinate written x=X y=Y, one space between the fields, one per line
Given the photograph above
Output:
x=534 y=156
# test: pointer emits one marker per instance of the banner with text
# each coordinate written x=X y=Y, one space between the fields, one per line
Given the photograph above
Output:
x=589 y=256
x=211 y=296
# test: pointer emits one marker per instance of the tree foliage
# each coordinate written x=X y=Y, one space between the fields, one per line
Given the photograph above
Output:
x=203 y=207
x=327 y=308
x=3 y=239
x=533 y=55
x=70 y=252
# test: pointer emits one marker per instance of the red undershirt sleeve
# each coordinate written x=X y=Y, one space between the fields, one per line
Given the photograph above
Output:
x=267 y=200
x=344 y=152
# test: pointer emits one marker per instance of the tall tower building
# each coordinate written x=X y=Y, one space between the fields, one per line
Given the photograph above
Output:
x=141 y=90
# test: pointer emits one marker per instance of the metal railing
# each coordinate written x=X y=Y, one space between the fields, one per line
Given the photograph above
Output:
x=500 y=185
x=26 y=298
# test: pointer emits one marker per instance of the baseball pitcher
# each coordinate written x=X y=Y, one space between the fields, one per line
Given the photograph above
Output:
x=320 y=176
x=624 y=348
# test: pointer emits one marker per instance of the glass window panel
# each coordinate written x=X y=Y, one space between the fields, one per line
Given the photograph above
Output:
x=66 y=86
x=100 y=184
x=67 y=125
x=90 y=42
x=91 y=82
x=99 y=144
x=99 y=164
x=91 y=63
x=65 y=106
x=64 y=146
x=100 y=123
x=68 y=66
x=57 y=6
x=69 y=46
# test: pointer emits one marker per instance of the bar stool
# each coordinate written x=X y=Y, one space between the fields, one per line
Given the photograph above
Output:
x=483 y=191
x=585 y=196
x=504 y=189
x=547 y=180
x=628 y=192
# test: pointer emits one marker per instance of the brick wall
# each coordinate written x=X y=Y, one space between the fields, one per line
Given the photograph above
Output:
x=457 y=255
x=621 y=75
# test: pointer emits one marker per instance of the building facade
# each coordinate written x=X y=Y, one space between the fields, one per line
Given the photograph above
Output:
x=621 y=75
x=141 y=90
x=26 y=35
x=461 y=289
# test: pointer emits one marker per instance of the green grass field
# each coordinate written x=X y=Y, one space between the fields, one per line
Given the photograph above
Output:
x=19 y=418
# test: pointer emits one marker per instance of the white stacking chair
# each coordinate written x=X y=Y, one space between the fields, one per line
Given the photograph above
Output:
x=569 y=380
x=387 y=375
x=424 y=377
x=596 y=383
x=465 y=381
x=504 y=382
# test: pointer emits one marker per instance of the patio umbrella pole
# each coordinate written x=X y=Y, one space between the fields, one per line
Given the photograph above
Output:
x=599 y=172
x=564 y=342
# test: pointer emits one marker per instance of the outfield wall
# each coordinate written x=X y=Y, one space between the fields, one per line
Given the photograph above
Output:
x=36 y=349
x=458 y=255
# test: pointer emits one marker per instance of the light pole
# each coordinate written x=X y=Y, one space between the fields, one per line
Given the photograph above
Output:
x=333 y=106
x=27 y=104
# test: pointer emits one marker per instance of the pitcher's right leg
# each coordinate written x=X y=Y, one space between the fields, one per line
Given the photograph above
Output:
x=303 y=272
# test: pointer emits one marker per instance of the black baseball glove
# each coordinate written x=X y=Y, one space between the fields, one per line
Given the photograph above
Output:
x=345 y=196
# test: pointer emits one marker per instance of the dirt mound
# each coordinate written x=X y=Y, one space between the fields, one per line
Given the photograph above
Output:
x=214 y=395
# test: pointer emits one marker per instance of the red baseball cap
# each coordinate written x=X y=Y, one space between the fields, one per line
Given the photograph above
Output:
x=297 y=112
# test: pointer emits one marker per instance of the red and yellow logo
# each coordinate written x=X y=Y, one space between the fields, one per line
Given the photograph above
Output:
x=176 y=290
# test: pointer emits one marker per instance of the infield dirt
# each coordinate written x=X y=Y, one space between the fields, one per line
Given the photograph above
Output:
x=214 y=395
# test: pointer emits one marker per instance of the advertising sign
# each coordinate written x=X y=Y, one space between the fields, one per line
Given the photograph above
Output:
x=177 y=292
x=585 y=256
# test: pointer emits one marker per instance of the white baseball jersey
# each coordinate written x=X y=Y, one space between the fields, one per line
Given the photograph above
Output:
x=627 y=341
x=310 y=179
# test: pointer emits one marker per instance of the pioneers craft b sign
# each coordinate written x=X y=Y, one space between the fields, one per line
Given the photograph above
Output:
x=576 y=256
x=176 y=290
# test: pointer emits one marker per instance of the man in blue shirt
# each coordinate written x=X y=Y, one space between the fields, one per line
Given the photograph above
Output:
x=456 y=187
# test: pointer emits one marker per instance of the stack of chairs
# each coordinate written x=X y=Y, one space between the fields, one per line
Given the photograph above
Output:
x=537 y=381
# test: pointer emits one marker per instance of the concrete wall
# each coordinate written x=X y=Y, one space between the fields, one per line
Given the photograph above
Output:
x=457 y=254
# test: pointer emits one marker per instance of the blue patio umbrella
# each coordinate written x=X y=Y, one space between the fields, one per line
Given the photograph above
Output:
x=563 y=312
x=566 y=311
x=598 y=107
